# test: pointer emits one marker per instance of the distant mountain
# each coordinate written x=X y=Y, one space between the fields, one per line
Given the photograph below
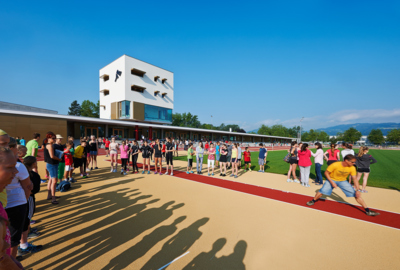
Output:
x=364 y=128
x=254 y=130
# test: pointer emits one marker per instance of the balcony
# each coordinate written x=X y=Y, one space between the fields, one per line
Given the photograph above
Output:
x=137 y=72
x=137 y=88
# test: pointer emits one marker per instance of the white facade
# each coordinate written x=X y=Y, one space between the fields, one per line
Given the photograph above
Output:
x=149 y=85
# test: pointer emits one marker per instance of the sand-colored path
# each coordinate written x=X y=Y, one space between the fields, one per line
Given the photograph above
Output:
x=109 y=221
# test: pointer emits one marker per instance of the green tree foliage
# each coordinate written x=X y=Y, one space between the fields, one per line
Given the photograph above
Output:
x=376 y=136
x=90 y=109
x=323 y=136
x=190 y=120
x=75 y=108
x=351 y=135
x=393 y=136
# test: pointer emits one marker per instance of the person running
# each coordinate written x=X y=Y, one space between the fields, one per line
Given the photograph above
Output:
x=199 y=158
x=114 y=155
x=211 y=159
x=190 y=154
x=157 y=156
x=107 y=146
x=146 y=151
x=94 y=146
x=336 y=175
x=223 y=159
x=319 y=161
x=262 y=156
x=333 y=153
x=364 y=160
x=169 y=155
x=305 y=163
x=135 y=155
x=124 y=149
x=52 y=162
x=233 y=160
x=217 y=154
x=247 y=159
x=293 y=163
x=347 y=150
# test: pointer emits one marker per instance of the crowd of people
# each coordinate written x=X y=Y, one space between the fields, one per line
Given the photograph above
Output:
x=20 y=181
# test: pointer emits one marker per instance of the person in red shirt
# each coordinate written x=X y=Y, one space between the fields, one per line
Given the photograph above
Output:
x=247 y=159
x=206 y=146
x=69 y=163
x=107 y=146
x=163 y=150
x=305 y=163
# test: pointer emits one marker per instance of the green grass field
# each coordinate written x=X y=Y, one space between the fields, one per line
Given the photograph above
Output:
x=383 y=173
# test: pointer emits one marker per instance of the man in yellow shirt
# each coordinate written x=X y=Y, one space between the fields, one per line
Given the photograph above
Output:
x=336 y=176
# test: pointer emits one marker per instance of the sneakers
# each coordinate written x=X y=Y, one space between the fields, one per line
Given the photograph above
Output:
x=208 y=174
x=125 y=173
x=172 y=173
x=249 y=170
x=155 y=172
x=187 y=172
x=32 y=221
x=232 y=175
x=212 y=174
x=310 y=203
x=72 y=180
x=303 y=184
x=306 y=185
x=30 y=249
x=112 y=170
x=289 y=180
x=115 y=170
x=372 y=213
x=166 y=173
x=143 y=172
x=148 y=172
x=84 y=176
x=245 y=170
x=296 y=181
x=235 y=176
x=191 y=172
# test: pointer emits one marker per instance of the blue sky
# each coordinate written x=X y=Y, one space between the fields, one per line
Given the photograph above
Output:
x=243 y=62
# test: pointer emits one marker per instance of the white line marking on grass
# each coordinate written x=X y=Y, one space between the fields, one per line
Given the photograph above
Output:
x=291 y=203
x=173 y=260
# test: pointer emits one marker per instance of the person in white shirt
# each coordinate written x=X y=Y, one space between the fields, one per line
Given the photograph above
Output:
x=319 y=161
x=348 y=150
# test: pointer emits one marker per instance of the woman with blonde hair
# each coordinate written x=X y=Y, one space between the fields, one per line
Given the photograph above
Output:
x=364 y=160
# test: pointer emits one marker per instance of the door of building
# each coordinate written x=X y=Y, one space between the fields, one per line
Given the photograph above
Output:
x=91 y=131
x=119 y=132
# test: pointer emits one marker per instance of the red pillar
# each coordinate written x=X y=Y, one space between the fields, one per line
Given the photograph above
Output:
x=150 y=133
x=136 y=133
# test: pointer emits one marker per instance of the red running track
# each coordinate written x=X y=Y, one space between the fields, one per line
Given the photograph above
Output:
x=385 y=218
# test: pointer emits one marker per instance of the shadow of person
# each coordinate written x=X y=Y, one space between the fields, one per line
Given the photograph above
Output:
x=132 y=254
x=234 y=260
x=205 y=260
x=176 y=246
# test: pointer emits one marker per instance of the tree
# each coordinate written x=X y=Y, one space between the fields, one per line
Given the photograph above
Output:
x=279 y=130
x=90 y=109
x=305 y=137
x=75 y=108
x=313 y=135
x=376 y=136
x=294 y=131
x=352 y=135
x=393 y=136
x=323 y=136
x=264 y=130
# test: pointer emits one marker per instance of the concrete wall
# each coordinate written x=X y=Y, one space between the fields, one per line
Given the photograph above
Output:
x=25 y=126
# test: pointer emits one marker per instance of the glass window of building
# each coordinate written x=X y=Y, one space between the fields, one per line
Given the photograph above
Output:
x=157 y=114
x=124 y=109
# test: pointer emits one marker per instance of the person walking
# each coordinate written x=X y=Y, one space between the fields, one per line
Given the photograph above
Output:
x=319 y=161
x=332 y=155
x=293 y=163
x=336 y=175
x=364 y=160
x=305 y=163
x=199 y=158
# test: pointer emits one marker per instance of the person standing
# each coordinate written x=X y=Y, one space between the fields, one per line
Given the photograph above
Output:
x=199 y=158
x=293 y=163
x=319 y=161
x=114 y=155
x=333 y=153
x=364 y=160
x=124 y=156
x=348 y=150
x=206 y=146
x=135 y=155
x=223 y=158
x=239 y=158
x=52 y=163
x=229 y=156
x=157 y=156
x=146 y=152
x=22 y=141
x=233 y=160
x=211 y=159
x=60 y=147
x=262 y=156
x=305 y=164
x=217 y=154
x=170 y=148
x=107 y=146
x=94 y=146
x=190 y=154
x=336 y=175
x=247 y=159
x=33 y=146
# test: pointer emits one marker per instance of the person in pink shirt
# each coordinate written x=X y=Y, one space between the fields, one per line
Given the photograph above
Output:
x=305 y=163
x=124 y=156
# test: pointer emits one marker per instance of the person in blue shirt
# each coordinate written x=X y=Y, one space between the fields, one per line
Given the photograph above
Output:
x=22 y=141
x=217 y=154
x=262 y=157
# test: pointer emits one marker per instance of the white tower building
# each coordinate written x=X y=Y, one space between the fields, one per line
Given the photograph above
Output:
x=131 y=89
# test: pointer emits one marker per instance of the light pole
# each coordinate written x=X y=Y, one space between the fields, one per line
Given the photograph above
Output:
x=300 y=129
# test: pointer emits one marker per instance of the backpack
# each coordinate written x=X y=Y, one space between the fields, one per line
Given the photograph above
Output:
x=287 y=158
x=63 y=186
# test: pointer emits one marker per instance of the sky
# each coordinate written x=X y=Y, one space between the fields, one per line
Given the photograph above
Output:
x=234 y=62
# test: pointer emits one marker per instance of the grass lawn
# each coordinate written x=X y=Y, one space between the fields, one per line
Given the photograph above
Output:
x=383 y=173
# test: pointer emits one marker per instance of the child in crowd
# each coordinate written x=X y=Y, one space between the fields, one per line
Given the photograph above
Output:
x=107 y=146
x=7 y=262
x=146 y=151
x=69 y=163
x=124 y=156
x=79 y=158
x=211 y=158
x=247 y=159
x=190 y=159
x=21 y=151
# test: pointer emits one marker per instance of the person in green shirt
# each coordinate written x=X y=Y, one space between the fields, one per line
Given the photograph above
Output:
x=190 y=158
x=33 y=146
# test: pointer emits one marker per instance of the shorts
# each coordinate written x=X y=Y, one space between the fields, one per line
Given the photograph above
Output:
x=217 y=156
x=69 y=168
x=114 y=155
x=331 y=161
x=345 y=186
x=210 y=163
x=233 y=160
x=163 y=154
x=169 y=160
x=107 y=148
x=93 y=153
x=228 y=158
x=239 y=161
x=293 y=161
x=261 y=161
x=247 y=162
x=190 y=162
x=16 y=217
x=53 y=170
x=31 y=207
x=145 y=156
x=61 y=168
x=78 y=162
x=157 y=156
x=222 y=159
x=363 y=170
